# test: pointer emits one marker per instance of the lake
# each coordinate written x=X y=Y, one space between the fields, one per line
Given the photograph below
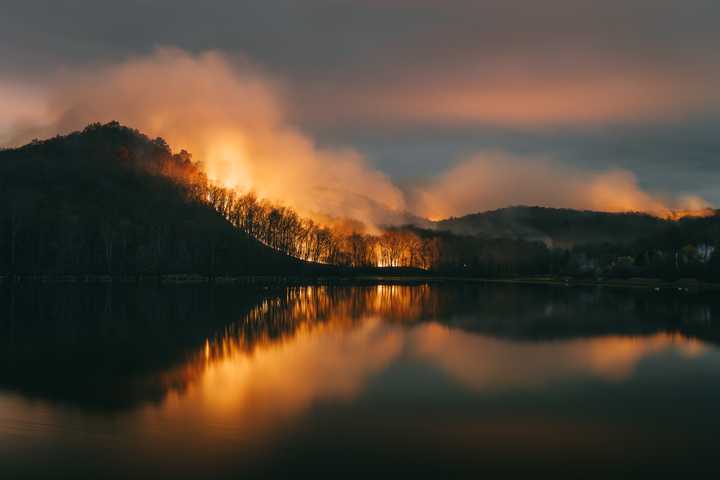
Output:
x=441 y=381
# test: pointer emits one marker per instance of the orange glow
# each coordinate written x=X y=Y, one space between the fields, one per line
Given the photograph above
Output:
x=511 y=90
x=490 y=180
x=230 y=115
x=316 y=344
x=696 y=213
x=310 y=314
x=478 y=362
x=255 y=384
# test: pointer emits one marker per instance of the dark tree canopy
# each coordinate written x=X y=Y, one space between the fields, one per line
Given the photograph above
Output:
x=110 y=200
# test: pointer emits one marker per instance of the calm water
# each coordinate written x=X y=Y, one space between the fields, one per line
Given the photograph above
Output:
x=389 y=380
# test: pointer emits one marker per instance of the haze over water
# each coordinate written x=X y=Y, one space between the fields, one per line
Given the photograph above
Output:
x=423 y=380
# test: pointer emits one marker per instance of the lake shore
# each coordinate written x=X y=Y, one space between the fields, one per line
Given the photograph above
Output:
x=682 y=285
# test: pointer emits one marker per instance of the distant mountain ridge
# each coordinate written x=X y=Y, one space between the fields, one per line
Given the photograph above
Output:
x=556 y=227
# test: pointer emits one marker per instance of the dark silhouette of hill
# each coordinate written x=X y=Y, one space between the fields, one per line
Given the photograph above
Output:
x=558 y=227
x=110 y=200
x=592 y=244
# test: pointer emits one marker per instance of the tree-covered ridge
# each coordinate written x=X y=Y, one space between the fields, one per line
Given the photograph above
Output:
x=110 y=200
x=561 y=227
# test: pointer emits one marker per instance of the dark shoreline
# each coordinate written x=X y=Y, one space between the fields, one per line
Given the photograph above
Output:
x=682 y=285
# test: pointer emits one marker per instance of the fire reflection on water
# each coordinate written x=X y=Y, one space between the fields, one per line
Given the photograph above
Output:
x=314 y=345
x=310 y=344
x=309 y=362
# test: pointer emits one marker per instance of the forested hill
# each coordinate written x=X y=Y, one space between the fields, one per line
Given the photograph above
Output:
x=111 y=200
x=557 y=227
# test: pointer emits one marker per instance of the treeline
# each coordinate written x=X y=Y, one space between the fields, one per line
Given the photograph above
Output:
x=687 y=248
x=283 y=229
x=669 y=250
x=558 y=227
x=110 y=200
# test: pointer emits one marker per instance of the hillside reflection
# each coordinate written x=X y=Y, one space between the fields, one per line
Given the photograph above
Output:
x=278 y=352
x=208 y=382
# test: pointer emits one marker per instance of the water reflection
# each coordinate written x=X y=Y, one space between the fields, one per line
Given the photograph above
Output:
x=250 y=375
x=255 y=392
x=148 y=342
x=316 y=343
x=483 y=363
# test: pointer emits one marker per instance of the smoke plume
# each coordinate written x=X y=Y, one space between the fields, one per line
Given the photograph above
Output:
x=491 y=180
x=232 y=116
x=228 y=114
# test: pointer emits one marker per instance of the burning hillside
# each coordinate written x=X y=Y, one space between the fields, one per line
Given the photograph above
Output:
x=232 y=115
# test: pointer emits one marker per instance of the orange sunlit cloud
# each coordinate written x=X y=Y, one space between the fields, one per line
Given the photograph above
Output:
x=228 y=113
x=233 y=116
x=21 y=105
x=564 y=89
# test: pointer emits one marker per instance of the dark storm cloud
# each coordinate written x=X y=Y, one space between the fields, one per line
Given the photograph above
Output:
x=417 y=84
x=335 y=34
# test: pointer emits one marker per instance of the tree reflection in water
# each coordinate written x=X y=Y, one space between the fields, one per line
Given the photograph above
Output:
x=144 y=342
x=243 y=372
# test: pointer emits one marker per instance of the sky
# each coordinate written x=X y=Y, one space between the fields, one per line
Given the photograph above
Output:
x=419 y=89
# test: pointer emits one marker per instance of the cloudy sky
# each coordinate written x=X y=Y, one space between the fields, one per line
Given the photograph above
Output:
x=416 y=86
